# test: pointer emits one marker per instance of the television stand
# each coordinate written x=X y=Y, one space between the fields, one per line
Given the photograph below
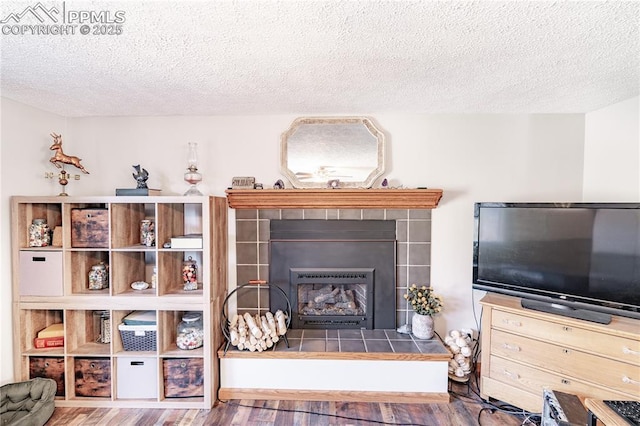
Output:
x=567 y=311
x=525 y=351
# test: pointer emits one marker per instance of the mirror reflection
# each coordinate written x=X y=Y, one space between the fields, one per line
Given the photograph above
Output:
x=318 y=150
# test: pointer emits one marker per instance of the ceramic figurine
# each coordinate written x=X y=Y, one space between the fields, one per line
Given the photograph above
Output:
x=141 y=176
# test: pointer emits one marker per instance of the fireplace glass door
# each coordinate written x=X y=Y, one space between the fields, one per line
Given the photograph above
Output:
x=328 y=298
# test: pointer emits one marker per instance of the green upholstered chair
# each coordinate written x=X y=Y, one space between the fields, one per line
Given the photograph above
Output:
x=28 y=403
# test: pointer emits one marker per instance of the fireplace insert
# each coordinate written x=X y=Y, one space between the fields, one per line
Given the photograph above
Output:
x=336 y=273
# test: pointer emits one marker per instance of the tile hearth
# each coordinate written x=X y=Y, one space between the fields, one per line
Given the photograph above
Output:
x=358 y=341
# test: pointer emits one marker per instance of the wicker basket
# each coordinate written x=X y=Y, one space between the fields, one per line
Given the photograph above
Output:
x=138 y=337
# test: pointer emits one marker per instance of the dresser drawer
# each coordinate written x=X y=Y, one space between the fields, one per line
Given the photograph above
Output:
x=563 y=360
x=619 y=348
x=515 y=396
x=533 y=380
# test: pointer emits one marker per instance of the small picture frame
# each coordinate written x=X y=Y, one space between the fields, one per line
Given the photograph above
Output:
x=243 y=182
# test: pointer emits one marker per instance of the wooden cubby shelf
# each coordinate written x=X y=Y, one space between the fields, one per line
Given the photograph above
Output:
x=51 y=285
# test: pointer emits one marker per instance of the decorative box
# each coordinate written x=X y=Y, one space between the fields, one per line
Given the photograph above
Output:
x=90 y=228
x=138 y=337
x=183 y=377
x=50 y=368
x=93 y=377
x=137 y=377
x=41 y=273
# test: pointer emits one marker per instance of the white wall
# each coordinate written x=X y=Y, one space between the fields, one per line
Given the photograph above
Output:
x=24 y=158
x=481 y=158
x=472 y=157
x=612 y=153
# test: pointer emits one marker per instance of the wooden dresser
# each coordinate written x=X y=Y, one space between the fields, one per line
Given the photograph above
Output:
x=526 y=351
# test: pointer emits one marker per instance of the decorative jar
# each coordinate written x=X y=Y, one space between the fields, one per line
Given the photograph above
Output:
x=190 y=274
x=39 y=233
x=99 y=277
x=147 y=233
x=190 y=331
x=422 y=326
x=154 y=277
x=102 y=326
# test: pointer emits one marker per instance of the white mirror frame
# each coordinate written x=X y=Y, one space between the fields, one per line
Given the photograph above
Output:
x=325 y=143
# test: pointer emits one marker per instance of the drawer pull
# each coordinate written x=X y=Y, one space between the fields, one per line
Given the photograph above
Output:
x=565 y=382
x=511 y=375
x=566 y=351
x=512 y=322
x=515 y=348
x=625 y=379
x=565 y=328
x=626 y=350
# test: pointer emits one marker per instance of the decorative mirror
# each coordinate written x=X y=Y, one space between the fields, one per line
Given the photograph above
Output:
x=345 y=152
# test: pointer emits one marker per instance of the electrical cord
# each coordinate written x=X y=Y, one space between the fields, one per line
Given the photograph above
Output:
x=487 y=406
x=337 y=416
x=528 y=417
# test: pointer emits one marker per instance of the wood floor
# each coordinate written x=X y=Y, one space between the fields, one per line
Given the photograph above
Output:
x=465 y=408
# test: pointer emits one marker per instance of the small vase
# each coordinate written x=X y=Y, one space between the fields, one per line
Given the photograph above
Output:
x=422 y=326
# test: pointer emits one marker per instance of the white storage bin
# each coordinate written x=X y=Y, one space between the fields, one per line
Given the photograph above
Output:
x=41 y=273
x=137 y=377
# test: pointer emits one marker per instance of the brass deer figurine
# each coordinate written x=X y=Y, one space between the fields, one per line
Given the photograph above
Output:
x=61 y=157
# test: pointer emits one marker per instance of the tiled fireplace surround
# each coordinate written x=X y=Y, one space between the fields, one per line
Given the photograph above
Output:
x=299 y=372
x=413 y=259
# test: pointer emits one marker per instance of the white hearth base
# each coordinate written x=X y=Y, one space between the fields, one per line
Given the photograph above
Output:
x=366 y=377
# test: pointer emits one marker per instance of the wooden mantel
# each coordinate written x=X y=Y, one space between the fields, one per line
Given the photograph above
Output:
x=333 y=198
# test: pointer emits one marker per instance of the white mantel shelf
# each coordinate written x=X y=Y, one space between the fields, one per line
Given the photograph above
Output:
x=333 y=198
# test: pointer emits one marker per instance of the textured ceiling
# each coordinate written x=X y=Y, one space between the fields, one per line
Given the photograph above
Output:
x=326 y=57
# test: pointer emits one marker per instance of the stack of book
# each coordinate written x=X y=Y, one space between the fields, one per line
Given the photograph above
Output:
x=189 y=241
x=50 y=337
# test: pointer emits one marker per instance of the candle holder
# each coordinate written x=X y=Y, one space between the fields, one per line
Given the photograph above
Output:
x=192 y=175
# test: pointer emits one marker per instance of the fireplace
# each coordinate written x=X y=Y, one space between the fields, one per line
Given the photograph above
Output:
x=332 y=298
x=337 y=274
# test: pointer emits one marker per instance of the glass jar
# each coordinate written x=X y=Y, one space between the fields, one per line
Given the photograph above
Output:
x=190 y=274
x=99 y=277
x=39 y=233
x=154 y=277
x=190 y=331
x=147 y=233
x=102 y=326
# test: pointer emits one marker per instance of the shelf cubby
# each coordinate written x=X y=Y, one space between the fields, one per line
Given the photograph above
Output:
x=90 y=377
x=168 y=326
x=82 y=334
x=182 y=378
x=125 y=223
x=130 y=266
x=117 y=318
x=170 y=222
x=49 y=367
x=170 y=281
x=81 y=262
x=51 y=212
x=36 y=320
x=136 y=377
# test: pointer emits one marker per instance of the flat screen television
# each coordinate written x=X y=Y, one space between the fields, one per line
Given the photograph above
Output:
x=575 y=259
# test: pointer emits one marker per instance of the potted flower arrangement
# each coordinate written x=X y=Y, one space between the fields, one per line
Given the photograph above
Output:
x=425 y=304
